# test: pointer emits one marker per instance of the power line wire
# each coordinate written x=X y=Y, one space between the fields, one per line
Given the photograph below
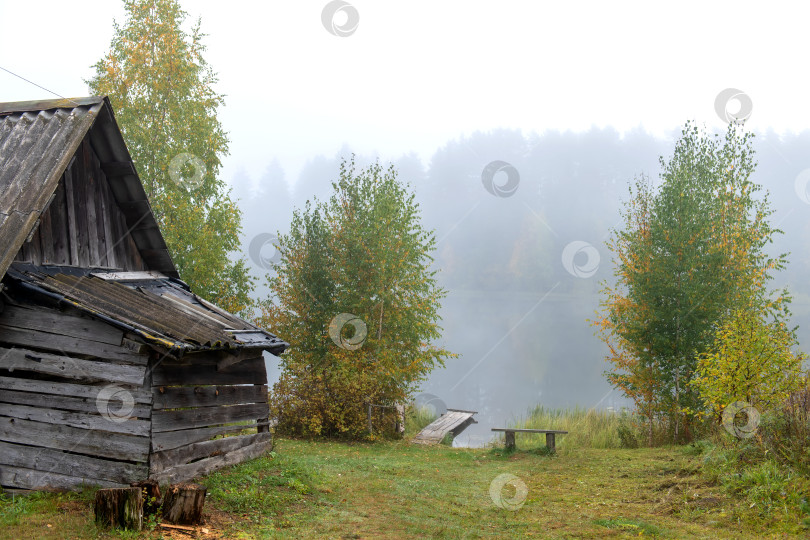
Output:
x=37 y=85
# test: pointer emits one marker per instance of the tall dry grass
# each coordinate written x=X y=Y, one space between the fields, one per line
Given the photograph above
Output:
x=417 y=418
x=587 y=428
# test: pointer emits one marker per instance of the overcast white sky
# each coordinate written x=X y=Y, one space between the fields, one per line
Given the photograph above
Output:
x=415 y=74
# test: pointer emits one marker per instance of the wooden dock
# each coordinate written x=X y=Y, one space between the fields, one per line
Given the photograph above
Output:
x=453 y=421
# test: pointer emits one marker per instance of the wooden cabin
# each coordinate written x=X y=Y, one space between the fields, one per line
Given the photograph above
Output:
x=111 y=369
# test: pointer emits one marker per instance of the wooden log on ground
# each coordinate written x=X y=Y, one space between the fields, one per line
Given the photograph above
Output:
x=150 y=491
x=120 y=508
x=183 y=504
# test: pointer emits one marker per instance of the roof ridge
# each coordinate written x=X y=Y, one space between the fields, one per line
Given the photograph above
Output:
x=48 y=104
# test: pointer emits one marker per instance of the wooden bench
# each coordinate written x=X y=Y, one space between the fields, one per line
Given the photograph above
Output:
x=550 y=434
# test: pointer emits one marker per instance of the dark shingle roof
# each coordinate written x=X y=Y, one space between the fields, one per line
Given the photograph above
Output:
x=37 y=141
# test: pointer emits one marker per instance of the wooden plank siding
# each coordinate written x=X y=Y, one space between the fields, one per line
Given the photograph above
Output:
x=67 y=390
x=175 y=397
x=53 y=428
x=160 y=461
x=83 y=225
x=90 y=469
x=22 y=478
x=195 y=401
x=203 y=371
x=63 y=333
x=63 y=403
x=217 y=460
x=176 y=420
x=46 y=320
x=61 y=424
x=74 y=440
x=15 y=359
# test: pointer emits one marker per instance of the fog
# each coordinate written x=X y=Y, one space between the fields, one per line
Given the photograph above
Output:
x=523 y=261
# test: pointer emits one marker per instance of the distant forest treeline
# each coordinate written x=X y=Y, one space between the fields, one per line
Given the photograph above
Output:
x=499 y=256
x=571 y=186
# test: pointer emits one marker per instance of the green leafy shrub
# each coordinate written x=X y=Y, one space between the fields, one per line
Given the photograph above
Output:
x=785 y=432
x=627 y=439
x=356 y=295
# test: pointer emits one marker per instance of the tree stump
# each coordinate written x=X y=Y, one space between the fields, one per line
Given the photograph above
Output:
x=119 y=508
x=151 y=496
x=183 y=504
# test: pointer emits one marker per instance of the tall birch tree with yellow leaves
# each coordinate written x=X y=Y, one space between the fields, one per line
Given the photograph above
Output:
x=690 y=261
x=162 y=91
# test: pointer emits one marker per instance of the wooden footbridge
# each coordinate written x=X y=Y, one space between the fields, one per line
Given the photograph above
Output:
x=453 y=421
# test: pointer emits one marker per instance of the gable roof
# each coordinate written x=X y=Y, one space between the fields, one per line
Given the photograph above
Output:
x=37 y=141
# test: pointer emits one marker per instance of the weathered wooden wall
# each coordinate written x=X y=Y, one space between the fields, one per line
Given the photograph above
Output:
x=55 y=431
x=83 y=225
x=202 y=398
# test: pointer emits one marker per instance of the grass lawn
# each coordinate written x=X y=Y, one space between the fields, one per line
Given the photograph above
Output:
x=314 y=489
